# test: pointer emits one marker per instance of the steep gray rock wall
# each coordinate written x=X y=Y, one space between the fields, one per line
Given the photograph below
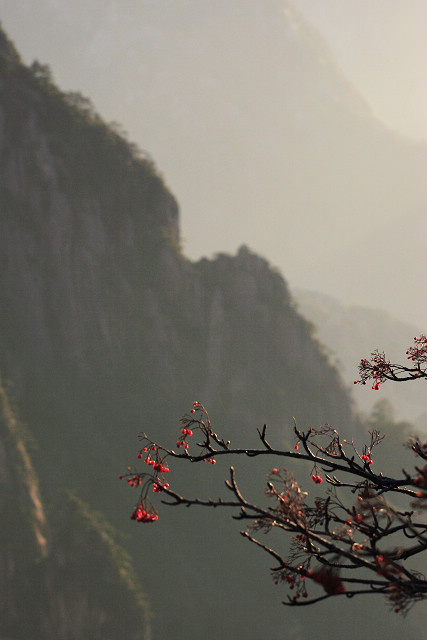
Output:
x=61 y=573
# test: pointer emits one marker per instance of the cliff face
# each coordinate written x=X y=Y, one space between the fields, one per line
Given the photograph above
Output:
x=245 y=110
x=55 y=188
x=105 y=330
x=23 y=540
x=96 y=289
x=255 y=339
x=61 y=573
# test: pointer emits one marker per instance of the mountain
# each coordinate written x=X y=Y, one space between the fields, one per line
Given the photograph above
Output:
x=107 y=329
x=62 y=574
x=262 y=138
x=352 y=332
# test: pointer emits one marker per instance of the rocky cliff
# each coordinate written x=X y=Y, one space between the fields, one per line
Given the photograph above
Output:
x=97 y=289
x=62 y=574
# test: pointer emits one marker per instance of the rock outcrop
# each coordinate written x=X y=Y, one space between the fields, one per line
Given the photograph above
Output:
x=62 y=573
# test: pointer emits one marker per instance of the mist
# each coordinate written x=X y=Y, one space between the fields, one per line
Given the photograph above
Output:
x=291 y=138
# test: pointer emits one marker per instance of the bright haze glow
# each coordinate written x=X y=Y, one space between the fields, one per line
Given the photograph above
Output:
x=266 y=135
x=381 y=46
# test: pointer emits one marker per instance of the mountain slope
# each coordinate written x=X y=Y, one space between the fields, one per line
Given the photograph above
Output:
x=62 y=573
x=256 y=127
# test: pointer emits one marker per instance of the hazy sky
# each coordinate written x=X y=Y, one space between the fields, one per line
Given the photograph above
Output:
x=380 y=44
x=382 y=47
x=183 y=79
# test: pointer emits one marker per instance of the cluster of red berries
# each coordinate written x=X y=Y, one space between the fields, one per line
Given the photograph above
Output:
x=293 y=580
x=378 y=369
x=147 y=450
x=156 y=463
x=182 y=440
x=419 y=350
x=142 y=515
x=363 y=364
x=135 y=481
x=375 y=371
x=157 y=466
x=316 y=479
x=366 y=459
x=158 y=487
